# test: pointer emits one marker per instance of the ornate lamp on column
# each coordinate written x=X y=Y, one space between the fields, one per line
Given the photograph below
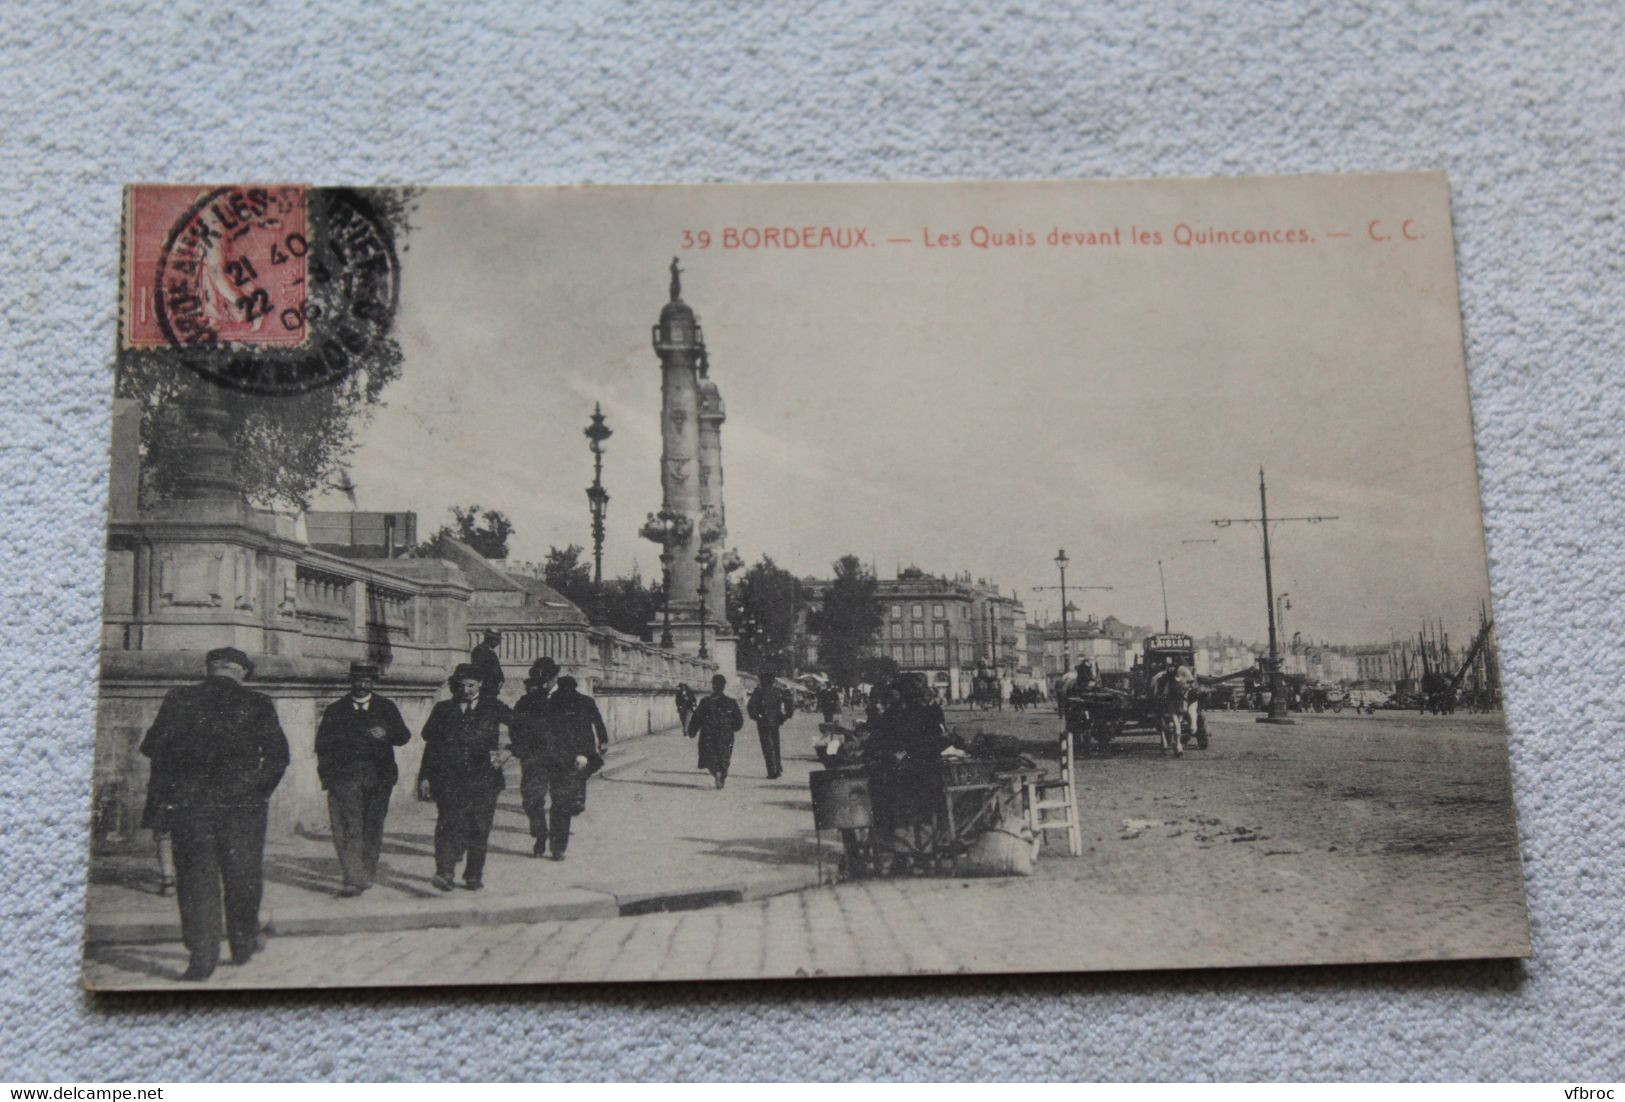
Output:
x=668 y=529
x=598 y=500
x=708 y=561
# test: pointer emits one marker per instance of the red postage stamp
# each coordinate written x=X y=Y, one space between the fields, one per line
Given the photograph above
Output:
x=206 y=266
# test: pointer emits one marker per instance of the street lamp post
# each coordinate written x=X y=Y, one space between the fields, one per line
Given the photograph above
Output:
x=707 y=559
x=1061 y=561
x=597 y=499
x=665 y=599
x=1066 y=642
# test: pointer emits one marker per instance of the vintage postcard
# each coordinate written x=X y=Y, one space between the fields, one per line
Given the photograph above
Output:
x=521 y=585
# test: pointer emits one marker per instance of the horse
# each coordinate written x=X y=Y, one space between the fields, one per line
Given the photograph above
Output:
x=1173 y=695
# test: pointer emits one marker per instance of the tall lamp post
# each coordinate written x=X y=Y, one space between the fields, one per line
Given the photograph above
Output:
x=598 y=500
x=1066 y=641
x=1277 y=710
x=707 y=560
x=1061 y=562
x=665 y=599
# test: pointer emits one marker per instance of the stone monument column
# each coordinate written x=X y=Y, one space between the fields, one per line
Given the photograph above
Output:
x=680 y=345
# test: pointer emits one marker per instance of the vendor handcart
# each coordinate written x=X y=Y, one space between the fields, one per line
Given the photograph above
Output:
x=920 y=817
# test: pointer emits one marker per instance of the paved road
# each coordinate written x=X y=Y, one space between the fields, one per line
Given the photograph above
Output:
x=1340 y=839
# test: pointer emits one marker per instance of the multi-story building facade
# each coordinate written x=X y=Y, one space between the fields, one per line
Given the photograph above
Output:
x=1219 y=655
x=1109 y=644
x=1376 y=663
x=946 y=628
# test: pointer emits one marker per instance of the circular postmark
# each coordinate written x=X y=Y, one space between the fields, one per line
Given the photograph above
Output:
x=277 y=290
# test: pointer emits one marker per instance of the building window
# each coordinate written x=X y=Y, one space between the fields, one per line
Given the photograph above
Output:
x=939 y=631
x=897 y=631
x=941 y=654
x=919 y=612
x=897 y=612
x=919 y=654
x=936 y=610
x=919 y=631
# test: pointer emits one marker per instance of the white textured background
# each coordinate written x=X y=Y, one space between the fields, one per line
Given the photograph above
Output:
x=1524 y=108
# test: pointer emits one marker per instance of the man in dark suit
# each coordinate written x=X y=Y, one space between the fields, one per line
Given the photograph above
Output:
x=217 y=752
x=485 y=657
x=527 y=747
x=462 y=774
x=771 y=707
x=355 y=759
x=572 y=740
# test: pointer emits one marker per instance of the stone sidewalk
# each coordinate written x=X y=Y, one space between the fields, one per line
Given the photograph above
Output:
x=656 y=836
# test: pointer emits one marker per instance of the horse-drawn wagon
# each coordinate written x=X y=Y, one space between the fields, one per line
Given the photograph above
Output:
x=1159 y=696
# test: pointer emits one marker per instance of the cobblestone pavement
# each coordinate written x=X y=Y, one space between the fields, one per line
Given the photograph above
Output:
x=1348 y=838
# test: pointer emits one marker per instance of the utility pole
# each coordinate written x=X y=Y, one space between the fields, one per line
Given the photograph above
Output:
x=1062 y=561
x=1163 y=579
x=1277 y=709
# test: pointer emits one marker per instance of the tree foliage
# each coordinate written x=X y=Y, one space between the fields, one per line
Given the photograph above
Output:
x=847 y=624
x=630 y=606
x=485 y=530
x=285 y=448
x=762 y=606
x=565 y=572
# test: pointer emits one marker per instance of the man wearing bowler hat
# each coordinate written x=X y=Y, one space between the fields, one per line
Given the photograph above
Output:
x=217 y=752
x=355 y=760
x=528 y=747
x=571 y=740
x=462 y=774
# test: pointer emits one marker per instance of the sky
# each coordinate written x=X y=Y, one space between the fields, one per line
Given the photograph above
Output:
x=972 y=409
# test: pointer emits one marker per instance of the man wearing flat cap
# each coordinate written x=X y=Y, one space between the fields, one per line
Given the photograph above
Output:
x=489 y=662
x=355 y=760
x=217 y=752
x=462 y=774
x=528 y=746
